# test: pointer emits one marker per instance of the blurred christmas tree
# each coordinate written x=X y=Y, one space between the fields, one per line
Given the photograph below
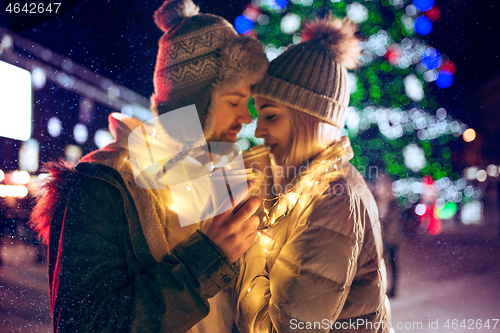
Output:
x=394 y=120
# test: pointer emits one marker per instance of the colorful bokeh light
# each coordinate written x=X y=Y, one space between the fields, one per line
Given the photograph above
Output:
x=243 y=24
x=423 y=5
x=445 y=79
x=423 y=26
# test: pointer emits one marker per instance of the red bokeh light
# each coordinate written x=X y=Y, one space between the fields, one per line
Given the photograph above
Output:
x=449 y=66
x=433 y=14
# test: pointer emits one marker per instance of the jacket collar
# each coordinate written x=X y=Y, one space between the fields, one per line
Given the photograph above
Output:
x=312 y=180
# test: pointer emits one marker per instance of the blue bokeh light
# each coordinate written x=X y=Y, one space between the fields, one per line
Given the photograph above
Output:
x=423 y=5
x=444 y=80
x=423 y=25
x=279 y=4
x=243 y=25
x=431 y=59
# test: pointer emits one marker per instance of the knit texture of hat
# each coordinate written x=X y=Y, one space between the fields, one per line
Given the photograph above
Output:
x=312 y=76
x=199 y=56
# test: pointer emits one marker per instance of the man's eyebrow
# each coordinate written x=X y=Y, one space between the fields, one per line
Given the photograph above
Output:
x=235 y=93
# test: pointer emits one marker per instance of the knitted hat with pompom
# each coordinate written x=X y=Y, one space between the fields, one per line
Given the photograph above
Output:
x=199 y=56
x=312 y=76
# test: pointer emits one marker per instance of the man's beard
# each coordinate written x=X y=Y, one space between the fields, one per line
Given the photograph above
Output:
x=223 y=149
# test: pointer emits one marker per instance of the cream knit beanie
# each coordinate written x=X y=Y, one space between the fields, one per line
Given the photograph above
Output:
x=312 y=76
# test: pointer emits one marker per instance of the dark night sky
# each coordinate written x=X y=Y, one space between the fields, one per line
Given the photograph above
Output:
x=119 y=40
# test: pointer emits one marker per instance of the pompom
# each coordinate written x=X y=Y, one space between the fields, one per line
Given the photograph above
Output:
x=172 y=12
x=338 y=36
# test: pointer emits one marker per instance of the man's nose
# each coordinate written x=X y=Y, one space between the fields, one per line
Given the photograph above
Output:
x=244 y=116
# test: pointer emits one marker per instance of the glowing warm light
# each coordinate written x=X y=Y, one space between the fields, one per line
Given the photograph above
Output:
x=481 y=175
x=470 y=173
x=173 y=208
x=2 y=175
x=20 y=177
x=189 y=188
x=469 y=135
x=492 y=171
x=72 y=153
x=16 y=191
x=249 y=289
x=42 y=176
x=22 y=191
x=292 y=198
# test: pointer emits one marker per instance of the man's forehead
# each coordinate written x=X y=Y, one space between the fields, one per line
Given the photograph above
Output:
x=242 y=92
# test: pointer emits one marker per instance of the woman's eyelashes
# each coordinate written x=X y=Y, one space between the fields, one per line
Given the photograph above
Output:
x=270 y=117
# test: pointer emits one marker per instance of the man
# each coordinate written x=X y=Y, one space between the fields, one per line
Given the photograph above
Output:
x=111 y=260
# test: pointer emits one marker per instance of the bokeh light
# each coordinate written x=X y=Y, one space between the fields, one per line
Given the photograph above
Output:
x=290 y=23
x=423 y=5
x=423 y=26
x=102 y=138
x=469 y=135
x=356 y=12
x=445 y=79
x=492 y=170
x=431 y=59
x=81 y=133
x=420 y=209
x=481 y=175
x=54 y=127
x=20 y=177
x=449 y=66
x=278 y=4
x=243 y=24
x=433 y=14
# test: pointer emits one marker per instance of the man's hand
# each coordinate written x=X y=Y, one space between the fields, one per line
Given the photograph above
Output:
x=234 y=232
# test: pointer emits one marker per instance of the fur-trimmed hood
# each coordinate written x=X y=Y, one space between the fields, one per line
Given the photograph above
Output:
x=53 y=190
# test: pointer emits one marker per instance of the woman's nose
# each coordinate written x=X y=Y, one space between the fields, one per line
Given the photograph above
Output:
x=260 y=131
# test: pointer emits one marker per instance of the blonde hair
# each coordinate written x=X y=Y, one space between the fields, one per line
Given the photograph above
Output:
x=311 y=136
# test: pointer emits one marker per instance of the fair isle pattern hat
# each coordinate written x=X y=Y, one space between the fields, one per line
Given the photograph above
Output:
x=312 y=76
x=199 y=56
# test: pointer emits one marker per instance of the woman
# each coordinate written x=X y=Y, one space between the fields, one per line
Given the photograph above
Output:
x=318 y=266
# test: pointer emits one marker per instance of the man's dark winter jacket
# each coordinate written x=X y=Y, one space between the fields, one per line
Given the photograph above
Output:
x=102 y=275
